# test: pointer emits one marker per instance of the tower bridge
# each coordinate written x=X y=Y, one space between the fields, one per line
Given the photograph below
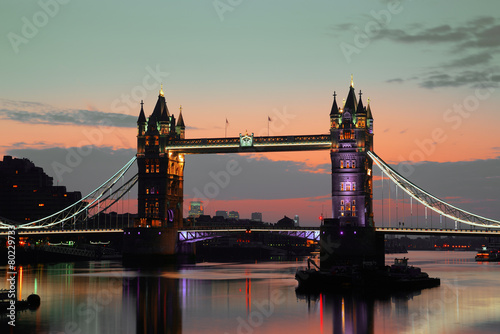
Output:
x=161 y=149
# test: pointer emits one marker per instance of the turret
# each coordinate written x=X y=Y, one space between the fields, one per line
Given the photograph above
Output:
x=180 y=128
x=141 y=121
x=369 y=118
x=360 y=114
x=334 y=113
x=350 y=106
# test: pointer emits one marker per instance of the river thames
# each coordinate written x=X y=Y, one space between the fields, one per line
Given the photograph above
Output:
x=104 y=297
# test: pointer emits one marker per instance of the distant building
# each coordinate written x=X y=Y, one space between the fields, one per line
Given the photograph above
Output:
x=285 y=222
x=221 y=213
x=234 y=215
x=257 y=216
x=296 y=220
x=28 y=194
x=196 y=209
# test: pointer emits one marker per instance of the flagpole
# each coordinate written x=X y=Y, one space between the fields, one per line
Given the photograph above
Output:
x=225 y=129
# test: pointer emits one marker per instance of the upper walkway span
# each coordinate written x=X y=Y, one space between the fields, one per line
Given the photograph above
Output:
x=248 y=143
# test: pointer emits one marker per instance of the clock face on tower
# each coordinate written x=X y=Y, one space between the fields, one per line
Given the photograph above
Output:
x=246 y=140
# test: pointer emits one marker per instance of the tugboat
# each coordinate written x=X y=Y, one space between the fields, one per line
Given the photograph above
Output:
x=490 y=253
x=398 y=277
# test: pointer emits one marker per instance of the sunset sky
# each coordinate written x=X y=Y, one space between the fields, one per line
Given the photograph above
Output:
x=73 y=74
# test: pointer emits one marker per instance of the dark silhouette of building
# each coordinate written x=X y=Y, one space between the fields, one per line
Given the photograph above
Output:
x=27 y=193
x=221 y=213
x=285 y=222
x=161 y=172
x=257 y=216
x=234 y=215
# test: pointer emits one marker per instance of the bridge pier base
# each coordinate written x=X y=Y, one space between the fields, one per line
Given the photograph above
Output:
x=150 y=246
x=343 y=245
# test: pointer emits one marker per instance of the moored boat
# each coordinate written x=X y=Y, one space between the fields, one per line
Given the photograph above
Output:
x=398 y=276
x=489 y=253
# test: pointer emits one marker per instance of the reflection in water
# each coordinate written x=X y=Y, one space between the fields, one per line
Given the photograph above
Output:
x=156 y=302
x=354 y=312
x=104 y=297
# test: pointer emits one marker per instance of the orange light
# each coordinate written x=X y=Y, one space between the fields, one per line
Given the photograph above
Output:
x=41 y=204
x=14 y=186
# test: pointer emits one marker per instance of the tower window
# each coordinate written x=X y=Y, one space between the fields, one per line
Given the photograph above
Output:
x=348 y=206
x=354 y=164
x=348 y=186
x=341 y=163
x=341 y=186
x=347 y=164
x=353 y=202
x=354 y=210
x=354 y=186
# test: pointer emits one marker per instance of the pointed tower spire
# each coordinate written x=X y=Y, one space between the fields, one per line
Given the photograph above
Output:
x=369 y=111
x=361 y=108
x=351 y=103
x=335 y=108
x=180 y=121
x=142 y=116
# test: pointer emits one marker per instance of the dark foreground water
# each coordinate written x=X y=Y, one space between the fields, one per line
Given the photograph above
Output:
x=103 y=297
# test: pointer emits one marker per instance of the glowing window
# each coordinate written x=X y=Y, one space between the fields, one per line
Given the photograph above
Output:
x=354 y=186
x=341 y=186
x=41 y=204
x=347 y=164
x=354 y=164
x=348 y=186
x=341 y=163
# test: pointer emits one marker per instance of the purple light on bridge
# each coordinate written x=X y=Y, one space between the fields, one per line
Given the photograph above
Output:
x=341 y=232
x=138 y=232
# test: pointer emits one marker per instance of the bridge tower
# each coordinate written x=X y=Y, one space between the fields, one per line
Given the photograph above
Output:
x=349 y=236
x=161 y=172
x=351 y=128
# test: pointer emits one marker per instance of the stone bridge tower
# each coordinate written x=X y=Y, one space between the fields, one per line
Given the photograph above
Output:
x=161 y=172
x=349 y=236
x=351 y=128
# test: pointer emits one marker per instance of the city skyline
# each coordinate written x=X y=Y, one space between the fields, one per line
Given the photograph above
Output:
x=432 y=81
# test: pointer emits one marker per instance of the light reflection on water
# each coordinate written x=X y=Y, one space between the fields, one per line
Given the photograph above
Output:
x=104 y=297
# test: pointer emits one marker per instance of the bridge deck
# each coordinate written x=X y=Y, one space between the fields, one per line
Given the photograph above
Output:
x=291 y=231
